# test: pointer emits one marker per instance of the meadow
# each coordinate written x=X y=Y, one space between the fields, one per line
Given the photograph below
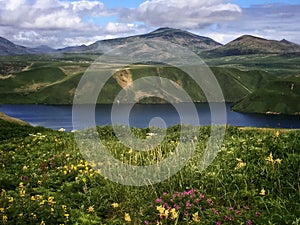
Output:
x=253 y=180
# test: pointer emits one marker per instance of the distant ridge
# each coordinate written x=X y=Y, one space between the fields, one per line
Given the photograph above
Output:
x=248 y=44
x=9 y=48
x=205 y=46
x=183 y=38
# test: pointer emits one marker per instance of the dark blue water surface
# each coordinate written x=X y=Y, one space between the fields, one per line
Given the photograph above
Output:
x=140 y=115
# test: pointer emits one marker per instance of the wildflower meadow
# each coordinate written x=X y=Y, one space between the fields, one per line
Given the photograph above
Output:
x=253 y=180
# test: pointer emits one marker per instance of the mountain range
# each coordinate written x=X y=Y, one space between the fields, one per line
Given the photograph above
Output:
x=256 y=74
x=246 y=44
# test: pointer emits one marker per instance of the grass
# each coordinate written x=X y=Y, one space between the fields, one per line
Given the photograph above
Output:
x=278 y=96
x=54 y=81
x=253 y=180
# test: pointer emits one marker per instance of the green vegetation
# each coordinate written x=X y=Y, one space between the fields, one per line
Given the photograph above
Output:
x=45 y=180
x=257 y=83
x=279 y=96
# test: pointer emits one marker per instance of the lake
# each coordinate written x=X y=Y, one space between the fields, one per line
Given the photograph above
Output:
x=56 y=117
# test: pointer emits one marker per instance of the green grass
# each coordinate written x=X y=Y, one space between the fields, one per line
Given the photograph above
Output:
x=279 y=96
x=44 y=177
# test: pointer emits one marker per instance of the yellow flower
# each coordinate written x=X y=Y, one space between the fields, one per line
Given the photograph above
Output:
x=10 y=199
x=277 y=134
x=66 y=215
x=278 y=161
x=174 y=215
x=115 y=205
x=32 y=198
x=240 y=164
x=21 y=185
x=262 y=192
x=270 y=158
x=64 y=207
x=22 y=193
x=127 y=217
x=4 y=218
x=40 y=182
x=25 y=168
x=91 y=209
x=160 y=209
x=130 y=151
x=2 y=210
x=42 y=202
x=50 y=200
x=3 y=191
x=42 y=223
x=166 y=213
x=65 y=172
x=196 y=217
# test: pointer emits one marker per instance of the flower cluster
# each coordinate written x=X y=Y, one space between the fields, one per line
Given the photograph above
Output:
x=192 y=206
x=270 y=159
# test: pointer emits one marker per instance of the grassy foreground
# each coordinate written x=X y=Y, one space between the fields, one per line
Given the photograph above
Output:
x=253 y=180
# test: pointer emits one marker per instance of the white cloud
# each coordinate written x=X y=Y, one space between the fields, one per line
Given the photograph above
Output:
x=189 y=14
x=60 y=23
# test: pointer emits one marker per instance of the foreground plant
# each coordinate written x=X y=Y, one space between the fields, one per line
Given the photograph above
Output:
x=193 y=207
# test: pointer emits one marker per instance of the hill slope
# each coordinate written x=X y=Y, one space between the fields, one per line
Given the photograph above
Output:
x=248 y=44
x=183 y=38
x=56 y=84
x=279 y=96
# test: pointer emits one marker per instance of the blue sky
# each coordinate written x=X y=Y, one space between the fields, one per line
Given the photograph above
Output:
x=60 y=23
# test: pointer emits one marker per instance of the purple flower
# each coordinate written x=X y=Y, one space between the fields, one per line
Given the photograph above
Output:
x=248 y=222
x=210 y=202
x=191 y=191
x=258 y=213
x=237 y=212
x=246 y=207
x=188 y=204
x=229 y=217
x=201 y=196
x=186 y=214
x=159 y=200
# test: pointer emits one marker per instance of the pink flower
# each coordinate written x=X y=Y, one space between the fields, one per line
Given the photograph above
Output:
x=218 y=223
x=188 y=205
x=159 y=200
x=230 y=208
x=258 y=213
x=146 y=222
x=237 y=212
x=248 y=222
x=210 y=202
x=246 y=207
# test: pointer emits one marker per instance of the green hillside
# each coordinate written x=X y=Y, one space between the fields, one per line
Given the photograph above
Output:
x=56 y=83
x=279 y=96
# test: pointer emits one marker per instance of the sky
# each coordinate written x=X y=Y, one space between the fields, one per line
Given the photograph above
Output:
x=61 y=23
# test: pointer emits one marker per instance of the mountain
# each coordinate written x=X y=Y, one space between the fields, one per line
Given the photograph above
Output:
x=248 y=44
x=183 y=38
x=9 y=48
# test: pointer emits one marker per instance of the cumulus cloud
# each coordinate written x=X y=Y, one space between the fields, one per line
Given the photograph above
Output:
x=189 y=14
x=60 y=23
x=271 y=21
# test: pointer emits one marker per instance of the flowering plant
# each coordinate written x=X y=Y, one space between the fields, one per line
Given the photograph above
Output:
x=194 y=207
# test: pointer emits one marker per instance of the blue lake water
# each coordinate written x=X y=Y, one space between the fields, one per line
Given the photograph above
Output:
x=57 y=117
